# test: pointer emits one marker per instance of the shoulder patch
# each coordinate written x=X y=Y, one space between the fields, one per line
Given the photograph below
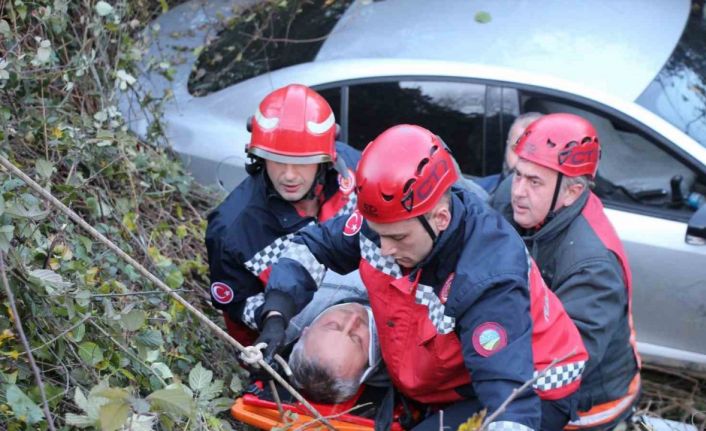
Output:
x=222 y=293
x=346 y=185
x=488 y=338
x=446 y=288
x=353 y=224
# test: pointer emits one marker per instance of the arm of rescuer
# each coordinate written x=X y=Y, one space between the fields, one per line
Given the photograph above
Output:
x=231 y=282
x=490 y=297
x=299 y=272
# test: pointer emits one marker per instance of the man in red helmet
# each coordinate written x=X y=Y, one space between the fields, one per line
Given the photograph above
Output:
x=463 y=316
x=298 y=176
x=580 y=256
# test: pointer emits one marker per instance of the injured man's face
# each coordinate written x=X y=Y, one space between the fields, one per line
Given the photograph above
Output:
x=336 y=353
x=340 y=339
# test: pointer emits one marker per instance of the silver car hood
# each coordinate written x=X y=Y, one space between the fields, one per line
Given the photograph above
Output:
x=617 y=47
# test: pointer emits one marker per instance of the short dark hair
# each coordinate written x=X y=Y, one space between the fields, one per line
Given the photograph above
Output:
x=317 y=381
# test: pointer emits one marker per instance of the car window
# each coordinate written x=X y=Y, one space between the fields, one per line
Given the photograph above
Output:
x=265 y=37
x=678 y=93
x=455 y=111
x=635 y=172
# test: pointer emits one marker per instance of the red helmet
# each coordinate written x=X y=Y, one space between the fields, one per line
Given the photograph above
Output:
x=294 y=124
x=563 y=142
x=402 y=174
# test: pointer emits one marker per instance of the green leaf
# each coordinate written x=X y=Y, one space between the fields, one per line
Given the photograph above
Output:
x=113 y=394
x=22 y=406
x=165 y=5
x=44 y=168
x=49 y=278
x=151 y=338
x=18 y=210
x=133 y=320
x=174 y=279
x=80 y=400
x=80 y=421
x=43 y=52
x=483 y=17
x=211 y=391
x=162 y=369
x=199 y=377
x=5 y=29
x=221 y=404
x=103 y=8
x=174 y=400
x=236 y=385
x=90 y=353
x=6 y=233
x=114 y=415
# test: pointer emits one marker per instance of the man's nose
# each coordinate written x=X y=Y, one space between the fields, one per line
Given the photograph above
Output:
x=387 y=247
x=290 y=170
x=352 y=323
x=519 y=187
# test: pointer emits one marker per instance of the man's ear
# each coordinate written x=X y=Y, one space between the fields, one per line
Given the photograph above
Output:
x=441 y=217
x=572 y=193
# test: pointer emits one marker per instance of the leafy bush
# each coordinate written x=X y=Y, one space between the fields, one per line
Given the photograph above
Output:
x=114 y=351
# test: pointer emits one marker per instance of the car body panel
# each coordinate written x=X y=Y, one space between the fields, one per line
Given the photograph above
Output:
x=616 y=47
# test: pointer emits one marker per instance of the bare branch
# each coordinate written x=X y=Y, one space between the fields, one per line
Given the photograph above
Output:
x=25 y=343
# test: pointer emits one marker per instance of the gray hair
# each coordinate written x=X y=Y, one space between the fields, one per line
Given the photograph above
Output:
x=317 y=381
x=524 y=120
x=584 y=180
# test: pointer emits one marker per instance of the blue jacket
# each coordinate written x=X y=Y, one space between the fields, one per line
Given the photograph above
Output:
x=248 y=231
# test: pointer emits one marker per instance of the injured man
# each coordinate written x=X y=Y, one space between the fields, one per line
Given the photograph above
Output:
x=336 y=353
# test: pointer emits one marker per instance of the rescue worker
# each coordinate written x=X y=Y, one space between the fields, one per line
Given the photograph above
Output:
x=463 y=316
x=299 y=175
x=580 y=257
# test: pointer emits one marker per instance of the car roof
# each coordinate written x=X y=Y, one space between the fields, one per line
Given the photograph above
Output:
x=617 y=47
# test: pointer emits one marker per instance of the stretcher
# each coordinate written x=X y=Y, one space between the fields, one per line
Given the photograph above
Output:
x=255 y=410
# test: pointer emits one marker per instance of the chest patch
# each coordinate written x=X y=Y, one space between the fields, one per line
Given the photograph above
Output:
x=222 y=293
x=488 y=338
x=353 y=224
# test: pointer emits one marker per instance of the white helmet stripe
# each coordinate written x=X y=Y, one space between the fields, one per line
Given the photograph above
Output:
x=324 y=126
x=264 y=122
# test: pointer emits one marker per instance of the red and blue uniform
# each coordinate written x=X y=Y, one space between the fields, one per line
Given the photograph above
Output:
x=248 y=232
x=473 y=320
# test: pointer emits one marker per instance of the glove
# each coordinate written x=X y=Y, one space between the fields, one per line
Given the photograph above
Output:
x=272 y=334
x=268 y=344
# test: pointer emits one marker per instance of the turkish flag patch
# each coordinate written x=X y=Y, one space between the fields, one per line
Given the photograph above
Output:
x=221 y=293
x=353 y=224
x=347 y=184
x=488 y=338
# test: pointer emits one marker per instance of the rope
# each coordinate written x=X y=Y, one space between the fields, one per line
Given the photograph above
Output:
x=159 y=283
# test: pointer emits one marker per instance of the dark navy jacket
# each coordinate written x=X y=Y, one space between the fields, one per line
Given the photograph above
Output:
x=248 y=231
x=583 y=262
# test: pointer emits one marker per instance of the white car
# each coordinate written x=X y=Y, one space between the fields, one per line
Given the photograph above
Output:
x=465 y=69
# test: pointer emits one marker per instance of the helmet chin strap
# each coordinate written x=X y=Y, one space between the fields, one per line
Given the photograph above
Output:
x=557 y=188
x=423 y=220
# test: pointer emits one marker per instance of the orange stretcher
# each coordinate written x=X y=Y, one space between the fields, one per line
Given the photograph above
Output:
x=263 y=414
